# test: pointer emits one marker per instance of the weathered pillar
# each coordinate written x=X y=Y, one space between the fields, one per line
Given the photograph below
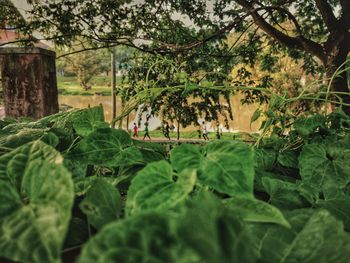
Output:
x=29 y=82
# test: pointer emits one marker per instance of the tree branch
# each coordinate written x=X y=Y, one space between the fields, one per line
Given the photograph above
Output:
x=327 y=14
x=299 y=42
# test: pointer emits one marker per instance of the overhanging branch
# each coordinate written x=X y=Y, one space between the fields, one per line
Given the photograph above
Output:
x=299 y=42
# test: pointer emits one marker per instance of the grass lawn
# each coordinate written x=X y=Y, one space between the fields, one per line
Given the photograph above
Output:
x=99 y=84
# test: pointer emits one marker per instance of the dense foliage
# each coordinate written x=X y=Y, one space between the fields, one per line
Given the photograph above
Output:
x=73 y=187
x=175 y=88
x=313 y=31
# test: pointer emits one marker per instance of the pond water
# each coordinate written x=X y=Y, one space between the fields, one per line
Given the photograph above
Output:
x=241 y=113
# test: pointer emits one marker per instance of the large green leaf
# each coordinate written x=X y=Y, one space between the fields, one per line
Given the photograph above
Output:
x=157 y=187
x=141 y=238
x=322 y=239
x=305 y=126
x=288 y=158
x=102 y=203
x=325 y=165
x=253 y=210
x=83 y=121
x=314 y=237
x=102 y=147
x=28 y=135
x=283 y=194
x=226 y=166
x=214 y=233
x=339 y=207
x=130 y=156
x=39 y=195
x=265 y=158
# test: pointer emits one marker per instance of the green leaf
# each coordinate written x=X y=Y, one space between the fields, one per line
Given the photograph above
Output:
x=283 y=194
x=28 y=135
x=272 y=240
x=82 y=185
x=83 y=121
x=253 y=210
x=265 y=159
x=314 y=237
x=102 y=147
x=214 y=232
x=226 y=166
x=39 y=196
x=256 y=115
x=156 y=187
x=141 y=238
x=186 y=156
x=77 y=168
x=102 y=203
x=306 y=126
x=322 y=239
x=325 y=165
x=338 y=207
x=288 y=159
x=130 y=156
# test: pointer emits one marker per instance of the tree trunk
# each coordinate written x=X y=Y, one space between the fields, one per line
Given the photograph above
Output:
x=121 y=119
x=339 y=80
x=29 y=82
x=127 y=122
x=114 y=88
x=178 y=129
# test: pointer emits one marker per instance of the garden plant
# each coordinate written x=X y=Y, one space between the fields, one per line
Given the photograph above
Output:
x=75 y=190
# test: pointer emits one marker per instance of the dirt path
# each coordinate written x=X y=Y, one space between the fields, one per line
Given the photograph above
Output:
x=162 y=140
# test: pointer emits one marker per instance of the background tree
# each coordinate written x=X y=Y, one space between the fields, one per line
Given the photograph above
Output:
x=315 y=30
x=85 y=65
x=180 y=89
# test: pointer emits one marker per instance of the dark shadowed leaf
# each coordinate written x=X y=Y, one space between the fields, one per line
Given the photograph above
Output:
x=102 y=203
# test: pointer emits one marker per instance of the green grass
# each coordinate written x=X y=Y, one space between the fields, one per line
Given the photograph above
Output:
x=99 y=85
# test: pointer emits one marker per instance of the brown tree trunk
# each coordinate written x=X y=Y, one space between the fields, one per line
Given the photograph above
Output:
x=114 y=88
x=127 y=122
x=29 y=82
x=178 y=129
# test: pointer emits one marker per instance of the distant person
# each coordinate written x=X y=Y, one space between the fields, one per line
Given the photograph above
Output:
x=205 y=131
x=218 y=131
x=146 y=132
x=172 y=127
x=166 y=130
x=139 y=120
x=218 y=135
x=135 y=129
x=199 y=130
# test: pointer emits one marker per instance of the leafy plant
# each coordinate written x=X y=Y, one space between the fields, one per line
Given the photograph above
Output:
x=74 y=190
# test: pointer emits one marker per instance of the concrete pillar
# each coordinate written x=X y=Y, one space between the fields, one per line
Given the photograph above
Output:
x=29 y=82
